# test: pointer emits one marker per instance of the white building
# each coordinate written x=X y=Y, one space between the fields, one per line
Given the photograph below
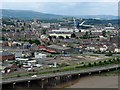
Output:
x=63 y=30
x=57 y=35
x=40 y=55
x=103 y=49
x=45 y=25
x=90 y=48
x=117 y=50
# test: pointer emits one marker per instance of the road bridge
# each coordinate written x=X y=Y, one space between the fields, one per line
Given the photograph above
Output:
x=45 y=79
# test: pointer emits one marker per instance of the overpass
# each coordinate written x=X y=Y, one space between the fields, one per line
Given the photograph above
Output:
x=47 y=78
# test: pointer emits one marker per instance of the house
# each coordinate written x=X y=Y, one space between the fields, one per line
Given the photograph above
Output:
x=3 y=43
x=18 y=52
x=9 y=68
x=6 y=56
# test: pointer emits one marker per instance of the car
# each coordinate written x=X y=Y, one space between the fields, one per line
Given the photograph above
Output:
x=34 y=76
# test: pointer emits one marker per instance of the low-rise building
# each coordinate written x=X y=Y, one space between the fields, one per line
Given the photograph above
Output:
x=117 y=50
x=6 y=56
x=40 y=55
x=45 y=25
x=62 y=49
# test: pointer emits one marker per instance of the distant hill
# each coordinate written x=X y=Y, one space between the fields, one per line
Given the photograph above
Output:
x=108 y=17
x=28 y=14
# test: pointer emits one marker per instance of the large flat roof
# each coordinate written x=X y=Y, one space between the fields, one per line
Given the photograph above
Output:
x=58 y=47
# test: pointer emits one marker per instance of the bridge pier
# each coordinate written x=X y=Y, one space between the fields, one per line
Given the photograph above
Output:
x=42 y=83
x=14 y=85
x=29 y=83
x=53 y=81
x=63 y=78
x=75 y=76
x=89 y=73
x=99 y=72
x=57 y=80
x=68 y=78
x=79 y=75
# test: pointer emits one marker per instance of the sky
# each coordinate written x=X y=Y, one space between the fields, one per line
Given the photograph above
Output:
x=104 y=7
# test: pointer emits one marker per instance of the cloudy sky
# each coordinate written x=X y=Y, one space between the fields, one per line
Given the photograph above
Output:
x=65 y=8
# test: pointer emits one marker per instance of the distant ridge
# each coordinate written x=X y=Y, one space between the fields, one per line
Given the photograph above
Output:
x=108 y=17
x=29 y=14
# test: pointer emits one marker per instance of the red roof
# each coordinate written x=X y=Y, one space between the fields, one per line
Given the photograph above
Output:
x=47 y=50
x=100 y=45
x=51 y=51
x=42 y=47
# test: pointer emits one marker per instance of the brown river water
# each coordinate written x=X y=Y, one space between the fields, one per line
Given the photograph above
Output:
x=92 y=82
x=85 y=82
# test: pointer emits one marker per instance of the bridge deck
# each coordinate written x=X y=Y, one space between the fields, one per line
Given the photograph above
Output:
x=43 y=76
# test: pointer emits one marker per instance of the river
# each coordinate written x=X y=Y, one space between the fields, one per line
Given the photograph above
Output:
x=92 y=82
x=85 y=82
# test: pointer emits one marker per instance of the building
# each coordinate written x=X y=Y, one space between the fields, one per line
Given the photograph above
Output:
x=3 y=43
x=60 y=49
x=7 y=68
x=115 y=39
x=40 y=55
x=45 y=25
x=6 y=56
x=35 y=21
x=64 y=30
x=59 y=34
x=117 y=50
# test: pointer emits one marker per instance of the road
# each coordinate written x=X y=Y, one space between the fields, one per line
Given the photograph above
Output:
x=43 y=76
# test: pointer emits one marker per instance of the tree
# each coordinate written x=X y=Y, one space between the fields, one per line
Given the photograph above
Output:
x=108 y=54
x=22 y=28
x=86 y=35
x=30 y=41
x=73 y=35
x=89 y=64
x=44 y=31
x=37 y=42
x=3 y=38
x=67 y=37
x=50 y=38
x=79 y=30
x=90 y=33
x=29 y=26
x=104 y=33
x=100 y=62
x=3 y=30
x=18 y=30
x=61 y=37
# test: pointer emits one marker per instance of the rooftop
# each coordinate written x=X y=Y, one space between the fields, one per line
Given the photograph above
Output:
x=5 y=54
x=58 y=47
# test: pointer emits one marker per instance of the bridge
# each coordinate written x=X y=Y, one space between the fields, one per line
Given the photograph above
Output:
x=45 y=79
